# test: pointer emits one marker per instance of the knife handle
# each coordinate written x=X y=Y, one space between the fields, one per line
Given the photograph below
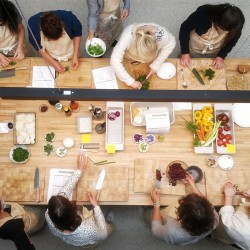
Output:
x=98 y=194
x=21 y=68
x=37 y=195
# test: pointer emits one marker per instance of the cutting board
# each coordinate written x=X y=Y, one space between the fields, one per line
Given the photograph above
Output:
x=18 y=184
x=115 y=185
x=217 y=179
x=217 y=83
x=145 y=176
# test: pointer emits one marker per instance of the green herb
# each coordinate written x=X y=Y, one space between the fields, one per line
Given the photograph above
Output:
x=209 y=73
x=95 y=50
x=142 y=79
x=20 y=154
x=12 y=63
x=48 y=149
x=50 y=136
x=67 y=69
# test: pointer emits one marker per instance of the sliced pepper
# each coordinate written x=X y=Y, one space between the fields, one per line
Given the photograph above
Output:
x=207 y=109
x=207 y=128
x=207 y=117
x=208 y=123
x=197 y=115
x=198 y=123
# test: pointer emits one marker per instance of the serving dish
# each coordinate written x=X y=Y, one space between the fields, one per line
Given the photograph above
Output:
x=237 y=82
x=95 y=42
x=241 y=114
x=166 y=71
x=196 y=172
x=21 y=154
x=225 y=162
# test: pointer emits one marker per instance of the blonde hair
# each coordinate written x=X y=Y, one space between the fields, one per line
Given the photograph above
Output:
x=145 y=46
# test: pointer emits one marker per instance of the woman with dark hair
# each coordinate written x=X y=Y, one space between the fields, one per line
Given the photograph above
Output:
x=192 y=219
x=57 y=36
x=12 y=33
x=211 y=31
x=75 y=224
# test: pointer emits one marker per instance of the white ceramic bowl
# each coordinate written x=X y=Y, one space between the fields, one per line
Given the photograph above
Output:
x=61 y=151
x=12 y=150
x=225 y=162
x=96 y=41
x=166 y=71
x=68 y=142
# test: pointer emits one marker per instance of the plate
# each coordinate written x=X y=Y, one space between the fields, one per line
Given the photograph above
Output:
x=196 y=172
x=166 y=71
x=143 y=147
x=96 y=41
x=241 y=114
x=12 y=150
x=237 y=82
x=61 y=151
x=225 y=162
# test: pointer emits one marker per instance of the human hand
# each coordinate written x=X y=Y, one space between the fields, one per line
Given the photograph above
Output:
x=81 y=161
x=229 y=189
x=74 y=63
x=125 y=14
x=218 y=63
x=155 y=195
x=189 y=180
x=185 y=60
x=246 y=193
x=4 y=61
x=92 y=199
x=58 y=67
x=90 y=36
x=136 y=85
x=19 y=53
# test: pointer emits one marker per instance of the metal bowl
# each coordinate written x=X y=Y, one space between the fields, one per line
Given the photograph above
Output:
x=196 y=172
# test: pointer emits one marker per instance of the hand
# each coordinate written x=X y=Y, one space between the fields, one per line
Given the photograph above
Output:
x=218 y=63
x=136 y=85
x=185 y=60
x=4 y=61
x=92 y=199
x=189 y=180
x=58 y=67
x=74 y=63
x=155 y=195
x=90 y=36
x=246 y=193
x=124 y=14
x=229 y=189
x=81 y=161
x=19 y=53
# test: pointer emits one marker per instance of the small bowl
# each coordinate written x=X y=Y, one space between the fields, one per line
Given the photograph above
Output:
x=61 y=151
x=68 y=142
x=45 y=137
x=225 y=162
x=212 y=161
x=52 y=149
x=174 y=182
x=138 y=138
x=143 y=147
x=150 y=139
x=94 y=42
x=196 y=172
x=166 y=71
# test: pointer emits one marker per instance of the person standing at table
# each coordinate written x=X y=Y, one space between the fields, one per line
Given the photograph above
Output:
x=105 y=19
x=192 y=219
x=12 y=33
x=210 y=32
x=234 y=225
x=141 y=43
x=76 y=225
x=57 y=36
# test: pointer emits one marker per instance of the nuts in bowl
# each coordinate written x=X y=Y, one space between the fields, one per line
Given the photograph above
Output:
x=212 y=161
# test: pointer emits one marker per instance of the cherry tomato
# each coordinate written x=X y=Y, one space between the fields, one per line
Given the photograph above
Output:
x=220 y=142
x=226 y=127
x=220 y=129
x=228 y=137
x=225 y=143
x=221 y=136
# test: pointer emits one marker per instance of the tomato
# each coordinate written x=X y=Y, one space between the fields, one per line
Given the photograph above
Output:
x=221 y=136
x=228 y=137
x=220 y=142
x=227 y=128
x=220 y=129
x=225 y=143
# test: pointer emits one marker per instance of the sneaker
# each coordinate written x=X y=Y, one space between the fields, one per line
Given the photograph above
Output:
x=110 y=217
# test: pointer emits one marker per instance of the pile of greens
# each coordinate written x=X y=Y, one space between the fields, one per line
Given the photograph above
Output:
x=49 y=137
x=95 y=50
x=20 y=154
x=141 y=79
x=209 y=73
x=48 y=149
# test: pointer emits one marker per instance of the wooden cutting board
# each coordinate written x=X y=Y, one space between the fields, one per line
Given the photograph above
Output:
x=217 y=179
x=115 y=185
x=217 y=83
x=18 y=184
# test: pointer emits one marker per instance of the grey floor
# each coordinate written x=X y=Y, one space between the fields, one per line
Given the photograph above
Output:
x=129 y=233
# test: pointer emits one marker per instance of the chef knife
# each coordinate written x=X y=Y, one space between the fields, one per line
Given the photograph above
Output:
x=197 y=75
x=37 y=184
x=99 y=183
x=10 y=72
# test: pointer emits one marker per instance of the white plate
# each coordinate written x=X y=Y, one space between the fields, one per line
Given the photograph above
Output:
x=96 y=41
x=241 y=114
x=11 y=153
x=225 y=162
x=61 y=151
x=143 y=147
x=166 y=71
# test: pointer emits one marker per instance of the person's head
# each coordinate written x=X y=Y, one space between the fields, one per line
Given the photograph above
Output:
x=8 y=16
x=63 y=213
x=195 y=213
x=145 y=44
x=51 y=26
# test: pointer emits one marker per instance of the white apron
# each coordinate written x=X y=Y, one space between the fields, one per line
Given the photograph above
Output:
x=61 y=49
x=208 y=44
x=109 y=23
x=8 y=41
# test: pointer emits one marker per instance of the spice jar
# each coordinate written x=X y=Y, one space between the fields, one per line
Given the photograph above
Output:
x=74 y=106
x=67 y=111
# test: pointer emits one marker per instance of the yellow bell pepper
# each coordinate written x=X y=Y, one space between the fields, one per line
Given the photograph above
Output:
x=197 y=115
x=207 y=128
x=198 y=123
x=207 y=117
x=208 y=123
x=207 y=109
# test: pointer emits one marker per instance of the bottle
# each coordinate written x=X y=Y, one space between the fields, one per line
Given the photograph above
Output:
x=59 y=107
x=74 y=106
x=67 y=111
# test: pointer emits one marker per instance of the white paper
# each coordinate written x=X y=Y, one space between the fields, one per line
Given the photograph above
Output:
x=57 y=179
x=43 y=77
x=182 y=106
x=4 y=128
x=104 y=78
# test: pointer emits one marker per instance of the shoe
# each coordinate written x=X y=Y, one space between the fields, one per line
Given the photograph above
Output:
x=110 y=217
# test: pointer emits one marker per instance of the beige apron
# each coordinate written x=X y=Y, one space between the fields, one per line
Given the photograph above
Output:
x=109 y=23
x=61 y=49
x=8 y=41
x=208 y=44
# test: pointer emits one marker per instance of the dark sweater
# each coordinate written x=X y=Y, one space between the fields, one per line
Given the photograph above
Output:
x=201 y=23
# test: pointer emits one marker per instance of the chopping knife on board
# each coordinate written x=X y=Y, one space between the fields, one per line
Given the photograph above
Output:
x=197 y=75
x=10 y=72
x=99 y=183
x=37 y=184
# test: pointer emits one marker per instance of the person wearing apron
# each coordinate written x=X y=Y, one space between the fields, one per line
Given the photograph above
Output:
x=234 y=227
x=210 y=32
x=105 y=19
x=57 y=36
x=12 y=33
x=192 y=219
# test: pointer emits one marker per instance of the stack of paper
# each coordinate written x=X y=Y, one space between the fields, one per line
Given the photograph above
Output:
x=43 y=77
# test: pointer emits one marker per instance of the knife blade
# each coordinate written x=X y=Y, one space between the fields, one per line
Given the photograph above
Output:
x=37 y=183
x=99 y=183
x=198 y=76
x=10 y=72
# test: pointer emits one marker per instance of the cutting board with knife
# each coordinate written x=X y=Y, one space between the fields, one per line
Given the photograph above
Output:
x=217 y=179
x=114 y=186
x=201 y=65
x=18 y=184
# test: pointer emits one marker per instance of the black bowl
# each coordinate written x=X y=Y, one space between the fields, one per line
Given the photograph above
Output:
x=196 y=172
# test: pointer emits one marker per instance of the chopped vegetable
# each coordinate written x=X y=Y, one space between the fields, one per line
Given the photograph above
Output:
x=48 y=149
x=197 y=115
x=49 y=137
x=176 y=172
x=67 y=69
x=20 y=154
x=142 y=79
x=95 y=50
x=12 y=63
x=209 y=73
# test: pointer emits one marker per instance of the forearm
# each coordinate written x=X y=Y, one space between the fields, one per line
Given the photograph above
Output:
x=156 y=213
x=228 y=201
x=21 y=36
x=76 y=42
x=47 y=56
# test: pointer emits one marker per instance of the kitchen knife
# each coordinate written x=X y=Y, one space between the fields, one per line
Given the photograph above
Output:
x=99 y=183
x=37 y=184
x=10 y=72
x=197 y=75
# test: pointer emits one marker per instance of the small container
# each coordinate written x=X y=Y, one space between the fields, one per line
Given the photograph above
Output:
x=43 y=108
x=100 y=128
x=67 y=111
x=10 y=125
x=59 y=107
x=74 y=106
x=225 y=162
x=68 y=142
x=212 y=161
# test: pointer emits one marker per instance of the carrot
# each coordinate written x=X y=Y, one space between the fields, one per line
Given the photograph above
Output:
x=202 y=131
x=198 y=132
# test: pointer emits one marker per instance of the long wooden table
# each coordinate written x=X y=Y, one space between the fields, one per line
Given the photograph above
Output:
x=178 y=144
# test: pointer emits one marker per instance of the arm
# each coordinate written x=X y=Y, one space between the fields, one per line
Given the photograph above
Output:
x=189 y=181
x=126 y=9
x=34 y=30
x=20 y=47
x=75 y=61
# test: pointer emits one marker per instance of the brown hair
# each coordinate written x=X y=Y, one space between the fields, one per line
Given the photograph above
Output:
x=63 y=213
x=51 y=26
x=195 y=214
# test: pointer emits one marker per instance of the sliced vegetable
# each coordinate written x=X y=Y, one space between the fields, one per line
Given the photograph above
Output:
x=209 y=73
x=197 y=115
